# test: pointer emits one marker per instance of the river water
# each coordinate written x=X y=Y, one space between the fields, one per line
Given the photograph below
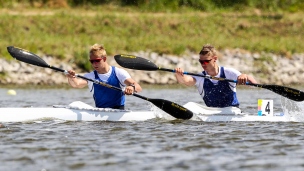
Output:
x=156 y=144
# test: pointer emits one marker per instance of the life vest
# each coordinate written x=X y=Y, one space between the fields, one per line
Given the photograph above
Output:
x=220 y=94
x=106 y=97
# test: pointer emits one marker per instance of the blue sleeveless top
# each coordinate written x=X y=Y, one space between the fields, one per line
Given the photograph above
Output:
x=219 y=95
x=106 y=97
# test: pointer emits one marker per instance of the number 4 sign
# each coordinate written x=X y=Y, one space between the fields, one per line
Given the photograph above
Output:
x=265 y=107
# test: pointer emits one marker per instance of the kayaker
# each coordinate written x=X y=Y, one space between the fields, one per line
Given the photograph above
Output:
x=214 y=93
x=105 y=97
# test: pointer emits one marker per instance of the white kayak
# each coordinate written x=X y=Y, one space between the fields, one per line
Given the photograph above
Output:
x=76 y=111
x=210 y=114
x=79 y=111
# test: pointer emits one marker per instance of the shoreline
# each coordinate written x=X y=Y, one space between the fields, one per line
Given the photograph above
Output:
x=265 y=67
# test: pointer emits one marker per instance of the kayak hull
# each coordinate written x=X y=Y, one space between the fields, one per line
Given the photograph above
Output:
x=79 y=111
x=28 y=114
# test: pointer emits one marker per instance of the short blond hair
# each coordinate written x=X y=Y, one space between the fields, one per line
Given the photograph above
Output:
x=98 y=50
x=208 y=50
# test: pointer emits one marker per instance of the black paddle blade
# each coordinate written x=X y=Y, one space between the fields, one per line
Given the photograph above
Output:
x=134 y=62
x=172 y=108
x=287 y=92
x=26 y=56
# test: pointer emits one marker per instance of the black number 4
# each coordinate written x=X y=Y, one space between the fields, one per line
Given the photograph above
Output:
x=267 y=109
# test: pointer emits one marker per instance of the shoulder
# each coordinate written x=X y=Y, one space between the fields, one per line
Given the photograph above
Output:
x=198 y=80
x=90 y=74
x=120 y=70
x=121 y=73
x=231 y=71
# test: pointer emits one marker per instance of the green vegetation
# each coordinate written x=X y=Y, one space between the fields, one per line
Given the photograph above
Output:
x=2 y=75
x=263 y=64
x=165 y=5
x=66 y=30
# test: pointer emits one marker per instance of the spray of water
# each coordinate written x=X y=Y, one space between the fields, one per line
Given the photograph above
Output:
x=293 y=110
x=159 y=113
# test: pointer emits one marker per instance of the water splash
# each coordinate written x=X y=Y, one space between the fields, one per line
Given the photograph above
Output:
x=159 y=113
x=293 y=110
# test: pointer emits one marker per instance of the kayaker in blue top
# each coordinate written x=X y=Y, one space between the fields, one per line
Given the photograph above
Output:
x=105 y=97
x=214 y=93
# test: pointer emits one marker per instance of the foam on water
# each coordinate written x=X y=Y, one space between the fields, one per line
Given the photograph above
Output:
x=292 y=109
x=160 y=113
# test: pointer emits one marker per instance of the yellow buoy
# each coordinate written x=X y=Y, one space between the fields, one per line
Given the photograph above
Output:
x=11 y=92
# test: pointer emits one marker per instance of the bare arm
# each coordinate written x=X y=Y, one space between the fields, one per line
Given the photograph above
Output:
x=184 y=79
x=74 y=81
x=130 y=89
x=243 y=78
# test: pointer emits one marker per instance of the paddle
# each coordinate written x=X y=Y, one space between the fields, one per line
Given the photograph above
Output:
x=139 y=63
x=169 y=107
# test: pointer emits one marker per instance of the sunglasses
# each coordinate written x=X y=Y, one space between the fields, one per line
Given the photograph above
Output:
x=204 y=61
x=95 y=60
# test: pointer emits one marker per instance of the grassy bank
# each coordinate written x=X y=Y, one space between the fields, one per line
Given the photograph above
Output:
x=67 y=33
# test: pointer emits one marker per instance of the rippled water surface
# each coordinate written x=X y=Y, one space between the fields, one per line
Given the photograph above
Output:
x=156 y=144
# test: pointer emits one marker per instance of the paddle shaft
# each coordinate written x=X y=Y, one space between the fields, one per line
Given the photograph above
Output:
x=205 y=76
x=97 y=82
x=94 y=81
x=169 y=107
x=287 y=92
x=211 y=77
x=139 y=63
